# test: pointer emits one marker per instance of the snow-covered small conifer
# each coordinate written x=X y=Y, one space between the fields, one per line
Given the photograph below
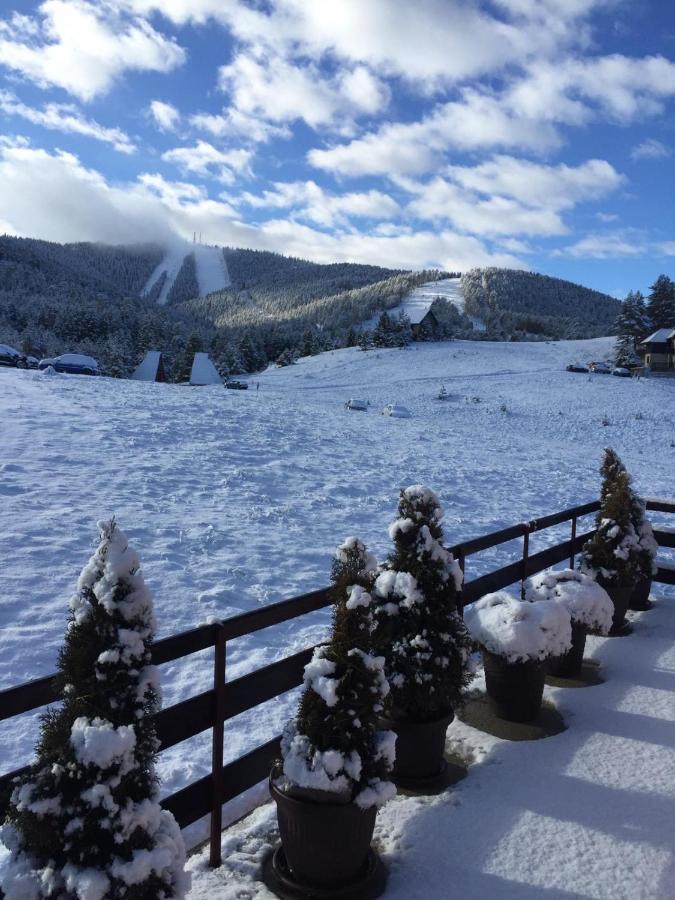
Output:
x=334 y=745
x=85 y=823
x=418 y=631
x=648 y=547
x=613 y=552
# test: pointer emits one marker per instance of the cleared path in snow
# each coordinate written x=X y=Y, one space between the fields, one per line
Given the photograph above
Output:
x=212 y=274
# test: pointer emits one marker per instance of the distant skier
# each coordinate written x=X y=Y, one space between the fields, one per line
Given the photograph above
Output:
x=257 y=385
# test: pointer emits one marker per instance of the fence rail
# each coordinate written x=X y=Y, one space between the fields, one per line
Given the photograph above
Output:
x=212 y=708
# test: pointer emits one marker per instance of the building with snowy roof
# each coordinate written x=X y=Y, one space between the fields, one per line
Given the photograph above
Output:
x=659 y=350
x=203 y=371
x=151 y=368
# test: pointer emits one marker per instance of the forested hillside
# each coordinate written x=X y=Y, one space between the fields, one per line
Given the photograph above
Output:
x=515 y=303
x=86 y=297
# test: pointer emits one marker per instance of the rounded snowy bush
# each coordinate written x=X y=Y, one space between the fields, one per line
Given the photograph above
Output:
x=586 y=602
x=519 y=631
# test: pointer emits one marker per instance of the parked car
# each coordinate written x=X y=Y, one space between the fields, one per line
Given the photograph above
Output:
x=33 y=362
x=71 y=363
x=235 y=385
x=11 y=357
x=600 y=368
x=396 y=411
x=353 y=403
x=576 y=367
x=622 y=372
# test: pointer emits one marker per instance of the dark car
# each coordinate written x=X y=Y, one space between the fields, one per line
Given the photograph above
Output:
x=237 y=385
x=622 y=372
x=576 y=367
x=72 y=363
x=11 y=357
x=600 y=368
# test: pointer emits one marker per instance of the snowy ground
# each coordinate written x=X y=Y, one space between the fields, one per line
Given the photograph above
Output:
x=586 y=813
x=212 y=274
x=237 y=498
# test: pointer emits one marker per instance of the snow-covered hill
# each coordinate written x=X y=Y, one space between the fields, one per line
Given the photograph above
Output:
x=418 y=301
x=237 y=498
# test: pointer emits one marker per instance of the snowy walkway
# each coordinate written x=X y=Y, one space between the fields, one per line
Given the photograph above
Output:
x=587 y=813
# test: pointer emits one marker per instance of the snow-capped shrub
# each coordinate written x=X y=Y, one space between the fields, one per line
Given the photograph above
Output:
x=334 y=745
x=517 y=630
x=614 y=552
x=586 y=602
x=417 y=629
x=647 y=542
x=85 y=823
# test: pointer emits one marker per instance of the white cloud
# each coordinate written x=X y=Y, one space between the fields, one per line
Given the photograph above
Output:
x=650 y=149
x=311 y=202
x=605 y=246
x=477 y=121
x=66 y=118
x=667 y=248
x=83 y=47
x=607 y=217
x=165 y=116
x=52 y=196
x=555 y=187
x=206 y=160
x=233 y=123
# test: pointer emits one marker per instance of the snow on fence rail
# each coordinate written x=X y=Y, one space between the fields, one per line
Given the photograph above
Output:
x=211 y=709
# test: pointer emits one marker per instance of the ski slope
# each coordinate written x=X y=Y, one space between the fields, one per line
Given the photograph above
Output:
x=416 y=304
x=212 y=274
x=236 y=499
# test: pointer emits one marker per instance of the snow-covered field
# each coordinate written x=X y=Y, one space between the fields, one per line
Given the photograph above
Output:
x=235 y=499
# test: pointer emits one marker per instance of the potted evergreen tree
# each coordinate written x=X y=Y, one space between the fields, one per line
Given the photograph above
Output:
x=589 y=608
x=612 y=555
x=516 y=639
x=424 y=642
x=335 y=763
x=86 y=820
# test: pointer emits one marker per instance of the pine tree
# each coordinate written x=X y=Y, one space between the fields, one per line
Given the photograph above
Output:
x=183 y=364
x=661 y=303
x=423 y=640
x=632 y=326
x=334 y=745
x=613 y=551
x=86 y=820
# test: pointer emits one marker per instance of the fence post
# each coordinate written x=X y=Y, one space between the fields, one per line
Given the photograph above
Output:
x=215 y=857
x=526 y=553
x=574 y=537
x=460 y=598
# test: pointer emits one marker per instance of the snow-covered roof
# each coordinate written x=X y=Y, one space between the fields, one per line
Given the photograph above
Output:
x=203 y=371
x=147 y=370
x=661 y=336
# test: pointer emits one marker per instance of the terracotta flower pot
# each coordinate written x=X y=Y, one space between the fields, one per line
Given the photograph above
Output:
x=569 y=665
x=515 y=689
x=620 y=595
x=419 y=748
x=324 y=844
x=639 y=599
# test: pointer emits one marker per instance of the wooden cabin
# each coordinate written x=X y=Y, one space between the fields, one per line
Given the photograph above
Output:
x=659 y=350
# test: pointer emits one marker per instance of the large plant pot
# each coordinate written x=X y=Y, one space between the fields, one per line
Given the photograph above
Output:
x=324 y=844
x=515 y=689
x=639 y=599
x=620 y=595
x=569 y=664
x=419 y=749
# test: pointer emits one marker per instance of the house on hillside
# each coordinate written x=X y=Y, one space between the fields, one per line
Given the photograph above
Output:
x=423 y=324
x=659 y=350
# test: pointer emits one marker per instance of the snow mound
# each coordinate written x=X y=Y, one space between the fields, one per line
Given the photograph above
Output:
x=519 y=631
x=586 y=602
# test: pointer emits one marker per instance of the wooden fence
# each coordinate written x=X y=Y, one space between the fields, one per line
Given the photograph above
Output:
x=211 y=709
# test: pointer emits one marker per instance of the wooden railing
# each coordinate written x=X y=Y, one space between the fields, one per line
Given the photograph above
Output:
x=212 y=708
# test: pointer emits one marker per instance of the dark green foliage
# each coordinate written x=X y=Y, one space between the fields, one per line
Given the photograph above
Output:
x=511 y=301
x=185 y=286
x=84 y=805
x=614 y=550
x=661 y=303
x=183 y=364
x=418 y=631
x=632 y=326
x=343 y=718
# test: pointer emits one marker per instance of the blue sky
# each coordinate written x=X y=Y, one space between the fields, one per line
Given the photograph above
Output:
x=526 y=133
